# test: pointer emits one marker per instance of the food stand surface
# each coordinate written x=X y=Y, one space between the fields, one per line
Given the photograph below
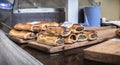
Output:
x=74 y=56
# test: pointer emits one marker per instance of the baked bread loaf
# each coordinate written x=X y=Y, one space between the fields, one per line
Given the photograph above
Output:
x=22 y=34
x=49 y=40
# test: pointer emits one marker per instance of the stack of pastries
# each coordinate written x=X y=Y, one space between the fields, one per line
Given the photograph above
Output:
x=52 y=33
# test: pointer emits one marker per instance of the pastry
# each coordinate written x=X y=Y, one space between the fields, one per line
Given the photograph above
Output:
x=49 y=40
x=54 y=24
x=22 y=34
x=27 y=27
x=92 y=35
x=81 y=37
x=118 y=33
x=70 y=39
x=43 y=25
x=54 y=30
x=58 y=31
x=76 y=28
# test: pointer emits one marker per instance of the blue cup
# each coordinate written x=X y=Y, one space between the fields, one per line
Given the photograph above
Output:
x=92 y=14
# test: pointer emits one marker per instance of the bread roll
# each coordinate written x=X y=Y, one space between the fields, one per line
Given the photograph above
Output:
x=71 y=38
x=76 y=28
x=81 y=37
x=49 y=40
x=92 y=35
x=21 y=34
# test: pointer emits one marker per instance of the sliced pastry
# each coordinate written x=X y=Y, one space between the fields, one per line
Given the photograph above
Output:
x=81 y=37
x=76 y=28
x=92 y=35
x=70 y=39
x=49 y=40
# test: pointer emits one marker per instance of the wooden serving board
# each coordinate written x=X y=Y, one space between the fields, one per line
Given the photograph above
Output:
x=108 y=51
x=103 y=34
x=18 y=40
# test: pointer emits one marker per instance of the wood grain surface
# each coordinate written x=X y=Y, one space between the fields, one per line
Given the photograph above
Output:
x=108 y=51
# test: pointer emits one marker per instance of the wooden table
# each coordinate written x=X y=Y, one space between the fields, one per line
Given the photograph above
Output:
x=69 y=57
x=108 y=51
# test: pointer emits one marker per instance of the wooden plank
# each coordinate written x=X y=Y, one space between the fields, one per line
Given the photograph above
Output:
x=102 y=36
x=108 y=51
x=99 y=28
x=11 y=54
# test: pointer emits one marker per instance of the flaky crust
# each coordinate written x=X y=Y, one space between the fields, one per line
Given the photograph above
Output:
x=92 y=35
x=43 y=25
x=71 y=38
x=81 y=37
x=49 y=40
x=54 y=30
x=21 y=34
x=54 y=24
x=23 y=26
x=77 y=28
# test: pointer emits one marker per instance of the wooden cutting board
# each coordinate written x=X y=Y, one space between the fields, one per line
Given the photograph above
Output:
x=108 y=51
x=102 y=35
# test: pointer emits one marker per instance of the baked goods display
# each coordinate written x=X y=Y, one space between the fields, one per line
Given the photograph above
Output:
x=52 y=33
